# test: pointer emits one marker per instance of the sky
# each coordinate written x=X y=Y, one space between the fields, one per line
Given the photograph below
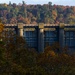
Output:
x=57 y=2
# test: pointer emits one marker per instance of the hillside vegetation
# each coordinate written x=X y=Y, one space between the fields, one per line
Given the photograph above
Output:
x=17 y=59
x=46 y=13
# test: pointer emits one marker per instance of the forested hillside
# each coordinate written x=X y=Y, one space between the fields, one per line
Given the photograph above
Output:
x=46 y=13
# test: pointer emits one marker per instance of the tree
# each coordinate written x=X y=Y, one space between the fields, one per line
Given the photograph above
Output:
x=50 y=4
x=1 y=27
x=10 y=3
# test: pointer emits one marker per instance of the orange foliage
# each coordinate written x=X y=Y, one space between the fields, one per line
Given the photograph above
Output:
x=1 y=27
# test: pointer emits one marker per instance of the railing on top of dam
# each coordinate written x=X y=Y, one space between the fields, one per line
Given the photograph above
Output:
x=37 y=25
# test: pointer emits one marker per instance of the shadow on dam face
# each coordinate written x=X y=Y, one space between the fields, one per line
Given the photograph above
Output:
x=71 y=51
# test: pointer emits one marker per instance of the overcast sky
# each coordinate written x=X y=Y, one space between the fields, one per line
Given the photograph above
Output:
x=59 y=2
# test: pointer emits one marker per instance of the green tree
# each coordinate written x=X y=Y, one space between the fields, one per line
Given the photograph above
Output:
x=50 y=4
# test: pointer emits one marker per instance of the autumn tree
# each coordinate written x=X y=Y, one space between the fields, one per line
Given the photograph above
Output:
x=1 y=29
x=1 y=26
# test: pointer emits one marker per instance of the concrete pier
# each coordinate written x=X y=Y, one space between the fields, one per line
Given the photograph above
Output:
x=61 y=36
x=41 y=37
x=20 y=29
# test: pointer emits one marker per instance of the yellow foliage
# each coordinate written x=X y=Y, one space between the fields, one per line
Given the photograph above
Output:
x=27 y=21
x=1 y=27
x=5 y=5
x=51 y=53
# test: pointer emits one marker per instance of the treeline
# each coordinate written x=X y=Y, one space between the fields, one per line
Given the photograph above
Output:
x=28 y=14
